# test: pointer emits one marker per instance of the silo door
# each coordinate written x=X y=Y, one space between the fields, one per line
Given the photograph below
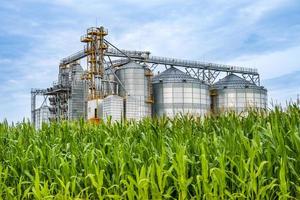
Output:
x=96 y=113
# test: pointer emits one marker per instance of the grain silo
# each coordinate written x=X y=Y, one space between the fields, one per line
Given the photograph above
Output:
x=113 y=108
x=176 y=92
x=42 y=116
x=237 y=94
x=133 y=77
x=76 y=101
x=128 y=76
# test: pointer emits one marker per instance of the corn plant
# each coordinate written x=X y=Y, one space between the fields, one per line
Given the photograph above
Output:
x=229 y=156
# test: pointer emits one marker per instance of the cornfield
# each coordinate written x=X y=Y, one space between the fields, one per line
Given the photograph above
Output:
x=216 y=157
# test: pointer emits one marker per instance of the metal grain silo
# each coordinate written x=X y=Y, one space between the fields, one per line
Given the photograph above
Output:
x=133 y=77
x=108 y=85
x=176 y=92
x=78 y=94
x=237 y=94
x=113 y=107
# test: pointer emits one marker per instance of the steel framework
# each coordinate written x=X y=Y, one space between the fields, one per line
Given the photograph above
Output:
x=35 y=92
x=205 y=71
x=103 y=56
x=94 y=50
x=58 y=97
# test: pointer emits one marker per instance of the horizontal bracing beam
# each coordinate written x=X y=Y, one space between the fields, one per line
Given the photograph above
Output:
x=140 y=55
x=191 y=64
x=143 y=56
x=37 y=91
x=207 y=74
x=200 y=65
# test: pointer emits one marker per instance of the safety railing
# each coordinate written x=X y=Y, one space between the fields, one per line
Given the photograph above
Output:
x=144 y=56
x=190 y=63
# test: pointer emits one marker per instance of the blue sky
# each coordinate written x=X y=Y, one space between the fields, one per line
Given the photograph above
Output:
x=36 y=34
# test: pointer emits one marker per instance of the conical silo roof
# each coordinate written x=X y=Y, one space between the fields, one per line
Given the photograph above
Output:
x=132 y=65
x=173 y=75
x=234 y=81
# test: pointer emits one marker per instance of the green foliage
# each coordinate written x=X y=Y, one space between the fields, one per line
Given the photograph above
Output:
x=256 y=156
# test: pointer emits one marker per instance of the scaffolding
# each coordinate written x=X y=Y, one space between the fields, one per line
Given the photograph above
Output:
x=67 y=96
x=34 y=93
x=94 y=49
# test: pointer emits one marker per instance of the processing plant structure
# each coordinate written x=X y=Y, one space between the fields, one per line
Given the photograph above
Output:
x=123 y=84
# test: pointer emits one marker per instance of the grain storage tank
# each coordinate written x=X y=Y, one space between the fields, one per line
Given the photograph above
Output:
x=42 y=116
x=109 y=87
x=113 y=107
x=237 y=94
x=176 y=92
x=78 y=94
x=133 y=76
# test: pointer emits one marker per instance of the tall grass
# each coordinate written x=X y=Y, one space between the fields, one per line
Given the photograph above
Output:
x=226 y=157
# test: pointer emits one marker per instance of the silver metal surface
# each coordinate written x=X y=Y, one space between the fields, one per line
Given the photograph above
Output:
x=65 y=76
x=175 y=92
x=110 y=52
x=144 y=56
x=42 y=116
x=77 y=96
x=113 y=108
x=237 y=94
x=34 y=93
x=132 y=76
x=67 y=97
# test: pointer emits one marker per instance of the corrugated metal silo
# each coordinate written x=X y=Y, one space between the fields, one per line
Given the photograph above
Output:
x=237 y=94
x=42 y=116
x=133 y=76
x=78 y=93
x=113 y=107
x=176 y=92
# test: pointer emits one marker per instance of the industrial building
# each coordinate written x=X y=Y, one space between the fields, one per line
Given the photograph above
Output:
x=123 y=84
x=42 y=115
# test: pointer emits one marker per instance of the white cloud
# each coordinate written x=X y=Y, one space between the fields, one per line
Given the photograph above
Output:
x=36 y=68
x=210 y=31
x=258 y=9
x=283 y=96
x=206 y=33
x=272 y=64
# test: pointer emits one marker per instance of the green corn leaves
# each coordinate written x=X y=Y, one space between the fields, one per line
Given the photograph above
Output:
x=214 y=157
